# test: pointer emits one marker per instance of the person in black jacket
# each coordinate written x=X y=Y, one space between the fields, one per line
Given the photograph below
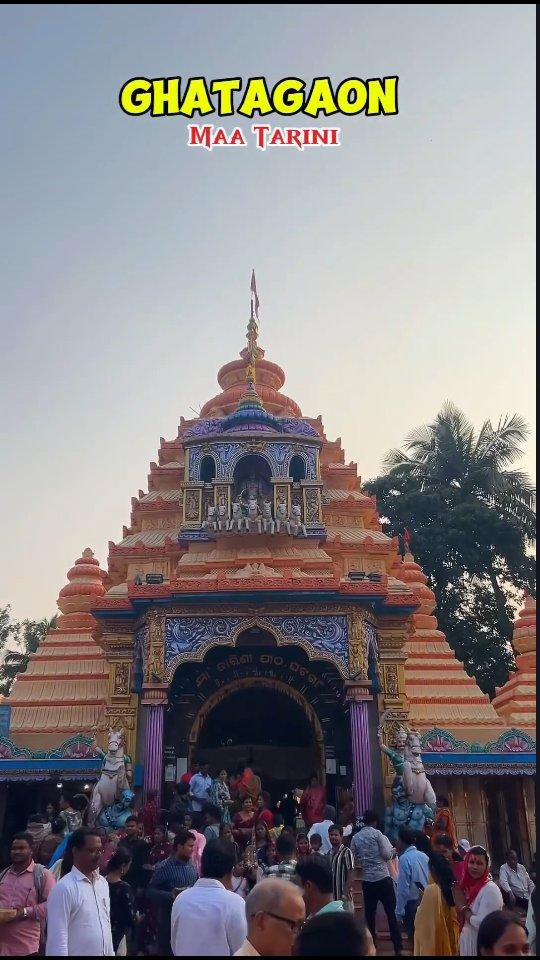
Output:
x=123 y=919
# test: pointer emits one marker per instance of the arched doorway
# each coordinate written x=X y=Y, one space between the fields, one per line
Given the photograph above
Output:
x=273 y=703
x=252 y=478
x=264 y=723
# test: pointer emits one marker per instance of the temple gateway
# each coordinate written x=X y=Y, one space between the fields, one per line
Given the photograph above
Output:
x=254 y=610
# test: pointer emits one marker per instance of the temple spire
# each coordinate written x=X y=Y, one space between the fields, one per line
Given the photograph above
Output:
x=252 y=335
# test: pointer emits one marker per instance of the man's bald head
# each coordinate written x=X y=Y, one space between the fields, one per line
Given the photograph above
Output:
x=275 y=911
x=269 y=894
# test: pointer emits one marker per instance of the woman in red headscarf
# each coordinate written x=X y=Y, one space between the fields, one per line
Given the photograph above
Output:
x=444 y=823
x=475 y=896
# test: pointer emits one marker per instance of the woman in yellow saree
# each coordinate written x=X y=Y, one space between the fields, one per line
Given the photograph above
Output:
x=436 y=926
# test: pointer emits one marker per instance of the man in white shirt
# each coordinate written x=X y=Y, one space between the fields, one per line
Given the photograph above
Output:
x=323 y=827
x=209 y=920
x=199 y=788
x=515 y=882
x=78 y=909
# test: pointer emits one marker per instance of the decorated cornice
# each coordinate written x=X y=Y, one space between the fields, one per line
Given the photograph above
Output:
x=78 y=747
x=512 y=741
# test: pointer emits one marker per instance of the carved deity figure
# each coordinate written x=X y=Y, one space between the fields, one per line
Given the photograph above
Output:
x=115 y=776
x=251 y=489
x=267 y=519
x=413 y=798
x=282 y=514
x=192 y=506
x=114 y=817
x=312 y=506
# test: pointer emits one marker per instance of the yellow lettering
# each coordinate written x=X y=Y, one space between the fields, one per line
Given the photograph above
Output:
x=256 y=98
x=321 y=98
x=224 y=90
x=285 y=100
x=382 y=96
x=166 y=99
x=136 y=96
x=196 y=98
x=351 y=96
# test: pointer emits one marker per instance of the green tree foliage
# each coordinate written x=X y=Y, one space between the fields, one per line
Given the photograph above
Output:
x=17 y=641
x=473 y=522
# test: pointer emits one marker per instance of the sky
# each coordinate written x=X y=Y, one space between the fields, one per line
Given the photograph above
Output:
x=394 y=272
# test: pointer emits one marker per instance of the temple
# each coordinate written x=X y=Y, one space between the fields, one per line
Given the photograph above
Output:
x=255 y=610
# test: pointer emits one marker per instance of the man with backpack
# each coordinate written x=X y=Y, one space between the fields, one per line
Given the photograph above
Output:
x=24 y=889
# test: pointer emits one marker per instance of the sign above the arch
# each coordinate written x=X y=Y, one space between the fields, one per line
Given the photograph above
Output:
x=322 y=637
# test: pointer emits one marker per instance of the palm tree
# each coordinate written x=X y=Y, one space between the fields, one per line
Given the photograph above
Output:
x=447 y=455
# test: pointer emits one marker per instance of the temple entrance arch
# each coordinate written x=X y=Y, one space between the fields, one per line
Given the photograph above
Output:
x=262 y=701
x=263 y=722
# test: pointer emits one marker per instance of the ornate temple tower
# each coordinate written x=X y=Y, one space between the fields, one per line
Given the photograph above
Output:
x=255 y=609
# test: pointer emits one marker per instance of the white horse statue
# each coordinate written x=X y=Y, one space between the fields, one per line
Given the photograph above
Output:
x=236 y=519
x=295 y=525
x=222 y=515
x=282 y=516
x=254 y=515
x=267 y=519
x=211 y=519
x=115 y=776
x=413 y=797
x=415 y=781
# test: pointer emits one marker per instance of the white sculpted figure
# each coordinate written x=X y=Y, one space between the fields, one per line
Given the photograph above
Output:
x=115 y=776
x=295 y=525
x=222 y=515
x=415 y=781
x=282 y=515
x=211 y=523
x=254 y=515
x=268 y=522
x=236 y=519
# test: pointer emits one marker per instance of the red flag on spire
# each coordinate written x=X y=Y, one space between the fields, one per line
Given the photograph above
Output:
x=254 y=297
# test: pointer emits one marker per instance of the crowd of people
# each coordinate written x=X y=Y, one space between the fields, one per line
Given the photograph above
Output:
x=225 y=872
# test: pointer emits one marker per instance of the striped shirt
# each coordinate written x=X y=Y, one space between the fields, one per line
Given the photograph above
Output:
x=341 y=862
x=173 y=873
x=283 y=871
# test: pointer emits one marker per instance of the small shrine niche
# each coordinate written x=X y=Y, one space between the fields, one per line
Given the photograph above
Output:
x=251 y=480
x=208 y=469
x=297 y=469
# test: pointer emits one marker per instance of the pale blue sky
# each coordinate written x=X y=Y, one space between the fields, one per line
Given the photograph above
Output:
x=394 y=272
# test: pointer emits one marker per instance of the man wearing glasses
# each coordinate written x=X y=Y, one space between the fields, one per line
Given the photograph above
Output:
x=275 y=913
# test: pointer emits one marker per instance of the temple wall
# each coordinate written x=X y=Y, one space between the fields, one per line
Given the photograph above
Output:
x=495 y=812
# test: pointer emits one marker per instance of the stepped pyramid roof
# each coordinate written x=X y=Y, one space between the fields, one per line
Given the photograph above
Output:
x=515 y=702
x=439 y=691
x=64 y=688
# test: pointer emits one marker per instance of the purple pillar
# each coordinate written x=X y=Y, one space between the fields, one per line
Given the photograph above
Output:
x=361 y=756
x=153 y=757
